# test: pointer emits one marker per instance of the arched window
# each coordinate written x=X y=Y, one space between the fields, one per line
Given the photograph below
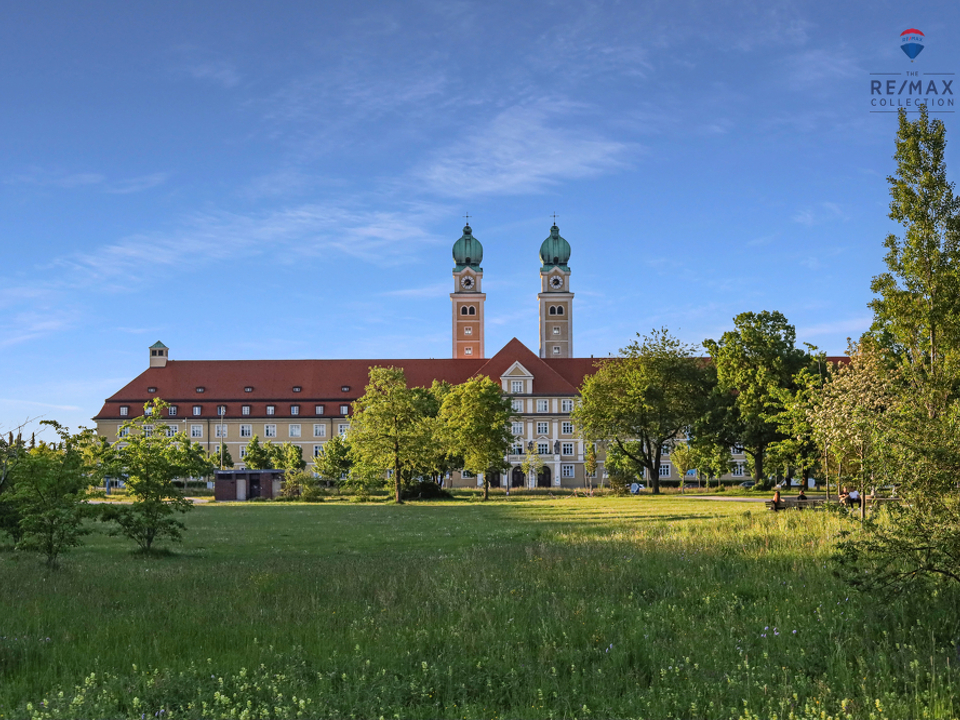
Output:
x=463 y=309
x=553 y=309
x=473 y=310
x=559 y=309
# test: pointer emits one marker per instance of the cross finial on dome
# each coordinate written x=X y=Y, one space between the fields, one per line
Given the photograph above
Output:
x=555 y=216
x=467 y=218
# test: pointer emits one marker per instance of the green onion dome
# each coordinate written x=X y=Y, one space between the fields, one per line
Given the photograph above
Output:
x=555 y=251
x=467 y=251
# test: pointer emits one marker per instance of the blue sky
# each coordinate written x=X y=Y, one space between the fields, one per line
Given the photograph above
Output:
x=285 y=180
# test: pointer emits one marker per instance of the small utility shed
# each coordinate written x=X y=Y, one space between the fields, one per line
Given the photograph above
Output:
x=247 y=484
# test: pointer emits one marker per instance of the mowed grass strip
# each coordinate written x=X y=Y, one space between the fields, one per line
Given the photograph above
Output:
x=568 y=607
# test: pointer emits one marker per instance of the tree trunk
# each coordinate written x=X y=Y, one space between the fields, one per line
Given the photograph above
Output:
x=396 y=477
x=655 y=472
x=758 y=467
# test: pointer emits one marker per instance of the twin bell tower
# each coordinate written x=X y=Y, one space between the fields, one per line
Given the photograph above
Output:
x=556 y=300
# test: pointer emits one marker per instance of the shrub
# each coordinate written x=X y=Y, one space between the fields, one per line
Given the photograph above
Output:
x=426 y=490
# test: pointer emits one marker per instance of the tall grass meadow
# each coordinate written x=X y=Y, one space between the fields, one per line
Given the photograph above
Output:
x=521 y=608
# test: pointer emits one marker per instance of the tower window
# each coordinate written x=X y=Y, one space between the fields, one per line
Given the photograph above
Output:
x=468 y=351
x=553 y=309
x=559 y=309
x=463 y=309
x=556 y=349
x=556 y=329
x=473 y=310
x=468 y=331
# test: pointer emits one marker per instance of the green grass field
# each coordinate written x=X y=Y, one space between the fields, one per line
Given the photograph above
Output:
x=530 y=607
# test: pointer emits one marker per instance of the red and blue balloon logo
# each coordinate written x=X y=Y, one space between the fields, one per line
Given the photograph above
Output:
x=911 y=42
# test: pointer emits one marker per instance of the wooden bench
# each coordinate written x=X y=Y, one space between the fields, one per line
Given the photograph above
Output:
x=789 y=503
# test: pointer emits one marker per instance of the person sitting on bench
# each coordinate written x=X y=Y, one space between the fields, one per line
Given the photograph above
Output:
x=776 y=500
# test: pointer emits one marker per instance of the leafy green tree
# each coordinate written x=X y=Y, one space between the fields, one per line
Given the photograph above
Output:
x=711 y=460
x=387 y=432
x=221 y=458
x=917 y=308
x=898 y=420
x=799 y=447
x=753 y=362
x=643 y=399
x=437 y=456
x=151 y=461
x=51 y=487
x=333 y=464
x=475 y=424
x=532 y=462
x=590 y=459
x=286 y=456
x=12 y=450
x=622 y=469
x=684 y=459
x=259 y=456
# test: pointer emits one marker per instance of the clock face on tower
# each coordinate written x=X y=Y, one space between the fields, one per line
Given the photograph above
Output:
x=556 y=283
x=467 y=282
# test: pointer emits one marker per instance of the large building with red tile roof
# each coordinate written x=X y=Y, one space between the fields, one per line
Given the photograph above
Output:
x=307 y=402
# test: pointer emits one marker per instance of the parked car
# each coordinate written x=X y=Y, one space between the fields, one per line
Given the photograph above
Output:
x=747 y=484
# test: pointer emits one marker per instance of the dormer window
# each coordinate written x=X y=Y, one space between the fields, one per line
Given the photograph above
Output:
x=248 y=389
x=271 y=409
x=345 y=388
x=297 y=388
x=151 y=389
x=124 y=410
x=221 y=409
x=318 y=409
x=201 y=389
x=172 y=410
x=294 y=409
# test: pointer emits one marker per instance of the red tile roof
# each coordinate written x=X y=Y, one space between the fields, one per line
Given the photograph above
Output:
x=321 y=382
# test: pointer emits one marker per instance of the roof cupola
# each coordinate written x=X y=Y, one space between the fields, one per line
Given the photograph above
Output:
x=555 y=251
x=467 y=251
x=158 y=354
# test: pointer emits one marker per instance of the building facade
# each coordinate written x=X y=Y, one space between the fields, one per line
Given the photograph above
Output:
x=307 y=402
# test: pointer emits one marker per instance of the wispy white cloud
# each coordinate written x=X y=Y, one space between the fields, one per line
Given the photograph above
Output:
x=33 y=403
x=821 y=67
x=381 y=237
x=522 y=150
x=137 y=184
x=30 y=325
x=55 y=178
x=219 y=72
x=854 y=325
x=820 y=213
x=42 y=177
x=430 y=291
